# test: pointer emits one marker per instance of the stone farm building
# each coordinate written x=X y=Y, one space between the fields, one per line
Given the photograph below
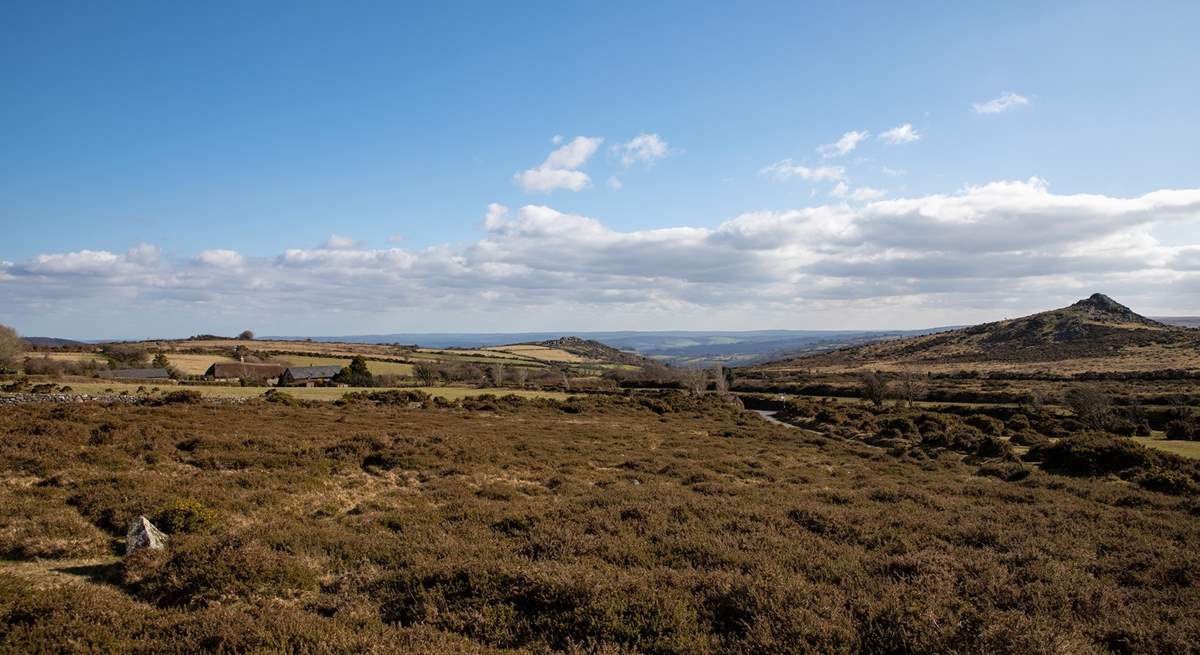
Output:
x=308 y=376
x=234 y=371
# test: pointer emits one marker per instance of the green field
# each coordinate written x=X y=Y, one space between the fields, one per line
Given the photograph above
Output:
x=376 y=367
x=314 y=393
x=1181 y=448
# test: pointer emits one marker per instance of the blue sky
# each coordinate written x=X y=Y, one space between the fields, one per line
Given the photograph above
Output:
x=155 y=133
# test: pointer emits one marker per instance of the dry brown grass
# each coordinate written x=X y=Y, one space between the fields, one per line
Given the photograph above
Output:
x=665 y=526
x=541 y=353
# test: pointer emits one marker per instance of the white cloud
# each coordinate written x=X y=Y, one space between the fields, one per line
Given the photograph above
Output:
x=560 y=170
x=900 y=134
x=496 y=215
x=981 y=246
x=340 y=242
x=83 y=262
x=857 y=194
x=1005 y=102
x=615 y=183
x=220 y=258
x=892 y=172
x=847 y=143
x=643 y=148
x=786 y=168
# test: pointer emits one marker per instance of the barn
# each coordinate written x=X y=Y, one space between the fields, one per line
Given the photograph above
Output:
x=308 y=376
x=234 y=371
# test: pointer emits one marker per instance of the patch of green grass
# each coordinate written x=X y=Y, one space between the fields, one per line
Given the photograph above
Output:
x=376 y=367
x=1181 y=448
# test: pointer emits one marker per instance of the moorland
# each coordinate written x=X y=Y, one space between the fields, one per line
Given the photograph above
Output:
x=1028 y=485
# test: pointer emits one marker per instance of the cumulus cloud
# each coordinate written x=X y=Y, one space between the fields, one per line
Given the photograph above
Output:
x=846 y=144
x=560 y=170
x=900 y=134
x=982 y=244
x=643 y=148
x=1003 y=103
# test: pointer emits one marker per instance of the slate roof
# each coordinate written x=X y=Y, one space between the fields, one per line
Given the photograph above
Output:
x=225 y=370
x=312 y=372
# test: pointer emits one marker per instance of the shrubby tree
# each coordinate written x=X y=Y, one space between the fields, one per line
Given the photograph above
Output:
x=873 y=387
x=426 y=373
x=12 y=346
x=246 y=335
x=125 y=354
x=1091 y=406
x=356 y=374
x=161 y=361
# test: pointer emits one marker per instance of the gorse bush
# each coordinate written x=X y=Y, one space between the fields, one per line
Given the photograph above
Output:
x=185 y=516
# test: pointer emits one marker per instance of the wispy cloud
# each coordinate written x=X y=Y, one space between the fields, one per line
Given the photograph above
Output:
x=786 y=169
x=900 y=134
x=844 y=145
x=1004 y=103
x=340 y=242
x=643 y=148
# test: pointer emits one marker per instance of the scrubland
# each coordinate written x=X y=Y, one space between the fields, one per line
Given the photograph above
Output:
x=664 y=524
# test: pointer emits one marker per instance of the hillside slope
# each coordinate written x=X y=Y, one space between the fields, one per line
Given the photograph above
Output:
x=594 y=351
x=1096 y=333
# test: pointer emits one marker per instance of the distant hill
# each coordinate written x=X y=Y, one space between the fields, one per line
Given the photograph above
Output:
x=677 y=347
x=1096 y=333
x=1181 y=321
x=594 y=350
x=52 y=342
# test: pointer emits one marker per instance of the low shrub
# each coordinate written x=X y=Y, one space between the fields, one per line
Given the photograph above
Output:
x=197 y=570
x=185 y=516
x=1187 y=430
x=1097 y=454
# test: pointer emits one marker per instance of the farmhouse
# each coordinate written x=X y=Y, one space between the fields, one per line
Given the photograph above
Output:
x=137 y=374
x=308 y=376
x=233 y=371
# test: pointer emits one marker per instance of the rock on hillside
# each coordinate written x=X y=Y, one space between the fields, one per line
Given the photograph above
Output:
x=594 y=350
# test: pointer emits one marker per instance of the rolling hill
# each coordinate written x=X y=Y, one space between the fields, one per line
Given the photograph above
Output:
x=1096 y=333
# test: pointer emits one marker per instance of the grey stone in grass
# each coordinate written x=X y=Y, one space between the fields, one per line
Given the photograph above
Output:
x=142 y=534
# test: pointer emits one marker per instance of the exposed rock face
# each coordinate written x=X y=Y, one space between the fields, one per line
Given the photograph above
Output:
x=142 y=534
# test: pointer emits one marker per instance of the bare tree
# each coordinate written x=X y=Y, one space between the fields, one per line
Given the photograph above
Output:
x=694 y=379
x=719 y=380
x=910 y=388
x=873 y=387
x=496 y=374
x=12 y=346
x=520 y=375
x=426 y=373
